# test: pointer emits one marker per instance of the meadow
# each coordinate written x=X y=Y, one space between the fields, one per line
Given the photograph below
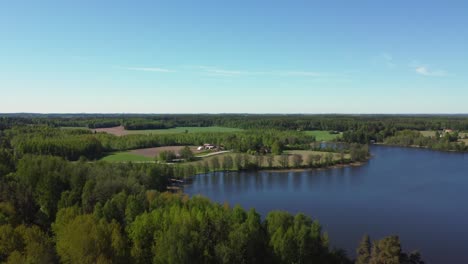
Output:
x=321 y=135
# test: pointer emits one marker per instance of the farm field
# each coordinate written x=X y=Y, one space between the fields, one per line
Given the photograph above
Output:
x=126 y=157
x=121 y=131
x=153 y=152
x=321 y=135
x=428 y=133
x=145 y=154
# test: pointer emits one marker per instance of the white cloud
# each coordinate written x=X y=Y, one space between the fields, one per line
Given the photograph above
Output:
x=424 y=70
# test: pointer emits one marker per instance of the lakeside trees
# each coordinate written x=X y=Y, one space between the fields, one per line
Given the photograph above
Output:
x=387 y=250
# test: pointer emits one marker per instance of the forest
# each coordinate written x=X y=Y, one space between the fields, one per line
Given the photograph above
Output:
x=59 y=204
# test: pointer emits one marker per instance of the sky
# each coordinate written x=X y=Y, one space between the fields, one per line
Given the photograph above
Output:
x=238 y=56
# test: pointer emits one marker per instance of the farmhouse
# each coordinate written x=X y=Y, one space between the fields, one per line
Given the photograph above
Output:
x=207 y=147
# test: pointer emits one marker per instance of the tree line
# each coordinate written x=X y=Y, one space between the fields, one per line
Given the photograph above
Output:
x=251 y=121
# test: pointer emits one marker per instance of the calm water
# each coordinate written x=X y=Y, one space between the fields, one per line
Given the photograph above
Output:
x=420 y=195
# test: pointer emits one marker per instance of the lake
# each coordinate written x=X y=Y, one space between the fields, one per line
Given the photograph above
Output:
x=418 y=194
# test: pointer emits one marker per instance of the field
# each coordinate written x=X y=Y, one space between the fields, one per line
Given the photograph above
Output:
x=126 y=157
x=153 y=152
x=321 y=135
x=146 y=154
x=120 y=130
x=428 y=133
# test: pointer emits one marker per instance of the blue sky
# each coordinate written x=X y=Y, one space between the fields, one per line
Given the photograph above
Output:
x=234 y=56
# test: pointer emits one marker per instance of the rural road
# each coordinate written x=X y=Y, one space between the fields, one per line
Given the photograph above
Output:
x=214 y=153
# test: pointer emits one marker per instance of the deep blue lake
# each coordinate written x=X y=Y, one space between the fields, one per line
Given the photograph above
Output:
x=418 y=194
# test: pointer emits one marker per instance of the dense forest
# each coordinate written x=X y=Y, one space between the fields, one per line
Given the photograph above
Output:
x=58 y=204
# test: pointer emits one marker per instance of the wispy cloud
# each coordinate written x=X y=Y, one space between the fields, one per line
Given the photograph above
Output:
x=147 y=69
x=304 y=73
x=219 y=71
x=424 y=70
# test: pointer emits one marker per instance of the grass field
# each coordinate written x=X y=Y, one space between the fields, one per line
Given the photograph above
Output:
x=321 y=135
x=125 y=157
x=428 y=133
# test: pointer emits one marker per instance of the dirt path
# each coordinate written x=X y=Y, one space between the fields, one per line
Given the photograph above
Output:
x=213 y=154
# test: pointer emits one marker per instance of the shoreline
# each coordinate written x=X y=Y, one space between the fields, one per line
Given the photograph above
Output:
x=418 y=147
x=335 y=166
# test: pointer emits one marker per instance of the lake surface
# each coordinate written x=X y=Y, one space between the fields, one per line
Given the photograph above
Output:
x=418 y=194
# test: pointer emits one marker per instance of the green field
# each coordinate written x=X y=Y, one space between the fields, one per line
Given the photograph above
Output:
x=125 y=157
x=428 y=133
x=321 y=135
x=184 y=129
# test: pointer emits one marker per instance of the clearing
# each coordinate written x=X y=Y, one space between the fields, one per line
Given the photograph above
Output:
x=148 y=154
x=321 y=135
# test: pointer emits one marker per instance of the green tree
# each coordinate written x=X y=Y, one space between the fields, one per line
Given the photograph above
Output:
x=25 y=245
x=386 y=250
x=363 y=252
x=166 y=156
x=186 y=153
x=85 y=239
x=277 y=148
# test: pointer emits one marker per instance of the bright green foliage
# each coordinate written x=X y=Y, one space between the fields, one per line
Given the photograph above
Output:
x=25 y=245
x=85 y=239
x=295 y=239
